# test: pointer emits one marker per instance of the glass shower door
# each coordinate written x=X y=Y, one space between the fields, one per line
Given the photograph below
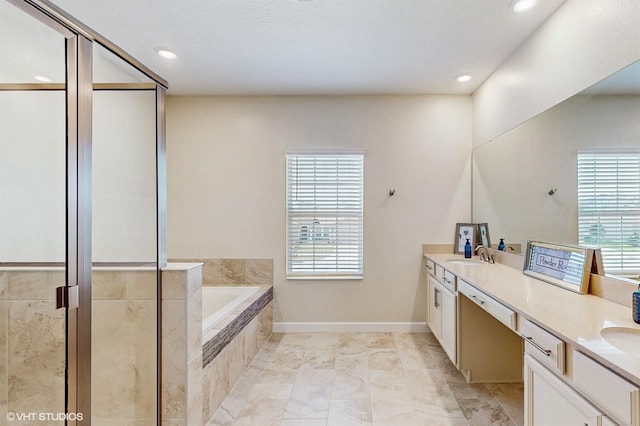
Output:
x=33 y=250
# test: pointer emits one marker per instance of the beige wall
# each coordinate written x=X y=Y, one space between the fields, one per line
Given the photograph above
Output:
x=226 y=189
x=582 y=43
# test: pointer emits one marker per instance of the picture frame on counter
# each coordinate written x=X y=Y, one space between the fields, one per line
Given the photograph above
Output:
x=464 y=231
x=483 y=235
x=565 y=266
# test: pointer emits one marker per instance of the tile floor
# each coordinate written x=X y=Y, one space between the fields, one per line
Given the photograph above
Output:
x=390 y=379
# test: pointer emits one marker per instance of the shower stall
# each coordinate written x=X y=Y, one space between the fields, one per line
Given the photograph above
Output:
x=82 y=184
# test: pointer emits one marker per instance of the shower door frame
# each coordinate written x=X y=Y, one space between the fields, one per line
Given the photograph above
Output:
x=77 y=288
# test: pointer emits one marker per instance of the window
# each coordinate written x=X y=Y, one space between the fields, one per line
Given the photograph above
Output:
x=609 y=208
x=324 y=215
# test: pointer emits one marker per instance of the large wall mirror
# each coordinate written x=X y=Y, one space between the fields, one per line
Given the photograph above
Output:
x=525 y=181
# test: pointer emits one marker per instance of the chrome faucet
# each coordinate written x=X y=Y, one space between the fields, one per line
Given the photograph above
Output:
x=484 y=254
x=482 y=251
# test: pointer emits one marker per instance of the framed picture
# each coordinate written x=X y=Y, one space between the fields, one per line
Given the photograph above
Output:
x=464 y=231
x=566 y=266
x=483 y=235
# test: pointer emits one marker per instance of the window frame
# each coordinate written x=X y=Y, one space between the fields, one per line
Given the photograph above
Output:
x=319 y=273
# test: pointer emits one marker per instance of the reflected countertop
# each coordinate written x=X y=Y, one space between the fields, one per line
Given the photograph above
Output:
x=575 y=318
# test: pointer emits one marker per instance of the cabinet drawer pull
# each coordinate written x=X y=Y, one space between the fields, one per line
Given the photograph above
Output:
x=477 y=300
x=530 y=340
x=430 y=268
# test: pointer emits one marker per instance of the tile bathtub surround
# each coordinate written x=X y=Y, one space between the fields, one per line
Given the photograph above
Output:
x=216 y=339
x=181 y=387
x=222 y=272
x=333 y=379
x=223 y=372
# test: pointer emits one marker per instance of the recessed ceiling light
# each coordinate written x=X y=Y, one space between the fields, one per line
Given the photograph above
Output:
x=165 y=53
x=42 y=79
x=520 y=6
x=464 y=77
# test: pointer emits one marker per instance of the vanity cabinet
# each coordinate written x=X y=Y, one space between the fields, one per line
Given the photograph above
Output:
x=555 y=397
x=442 y=308
x=549 y=401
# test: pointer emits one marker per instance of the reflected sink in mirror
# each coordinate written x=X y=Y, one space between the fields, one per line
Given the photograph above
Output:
x=625 y=339
x=466 y=262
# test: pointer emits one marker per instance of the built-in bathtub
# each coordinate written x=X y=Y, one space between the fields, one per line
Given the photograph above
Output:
x=236 y=322
x=216 y=314
x=218 y=302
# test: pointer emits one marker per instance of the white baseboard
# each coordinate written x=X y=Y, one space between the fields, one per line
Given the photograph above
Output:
x=350 y=327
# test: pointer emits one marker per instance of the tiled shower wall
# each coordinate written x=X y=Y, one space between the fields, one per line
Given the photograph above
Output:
x=32 y=345
x=123 y=353
x=32 y=348
x=223 y=272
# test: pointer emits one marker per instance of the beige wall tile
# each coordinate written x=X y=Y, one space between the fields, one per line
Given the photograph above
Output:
x=142 y=285
x=36 y=356
x=250 y=341
x=108 y=285
x=219 y=379
x=194 y=391
x=194 y=313
x=224 y=272
x=143 y=314
x=260 y=271
x=206 y=392
x=4 y=314
x=174 y=360
x=173 y=285
x=113 y=370
x=4 y=285
x=30 y=285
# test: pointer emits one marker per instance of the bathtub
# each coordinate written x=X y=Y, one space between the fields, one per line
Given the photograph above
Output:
x=218 y=302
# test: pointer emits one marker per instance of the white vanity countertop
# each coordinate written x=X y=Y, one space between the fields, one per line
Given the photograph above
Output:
x=576 y=318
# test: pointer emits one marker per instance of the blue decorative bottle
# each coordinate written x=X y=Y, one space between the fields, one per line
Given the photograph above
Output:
x=636 y=305
x=501 y=245
x=467 y=250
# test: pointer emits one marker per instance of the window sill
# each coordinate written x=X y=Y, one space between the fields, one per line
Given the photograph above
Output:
x=323 y=277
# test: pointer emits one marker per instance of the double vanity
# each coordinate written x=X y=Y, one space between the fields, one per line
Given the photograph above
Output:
x=578 y=354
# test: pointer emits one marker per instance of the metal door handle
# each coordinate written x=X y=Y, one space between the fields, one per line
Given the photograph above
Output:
x=477 y=300
x=530 y=340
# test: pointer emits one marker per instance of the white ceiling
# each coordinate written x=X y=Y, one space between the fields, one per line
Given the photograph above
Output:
x=255 y=47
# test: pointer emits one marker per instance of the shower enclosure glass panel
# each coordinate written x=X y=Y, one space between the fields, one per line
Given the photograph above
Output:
x=124 y=314
x=32 y=218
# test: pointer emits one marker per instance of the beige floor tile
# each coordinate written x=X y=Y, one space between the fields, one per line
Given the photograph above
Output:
x=303 y=422
x=354 y=412
x=342 y=379
x=510 y=397
x=481 y=412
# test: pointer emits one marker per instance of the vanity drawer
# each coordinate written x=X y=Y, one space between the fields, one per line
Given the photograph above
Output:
x=449 y=281
x=606 y=389
x=492 y=306
x=439 y=272
x=543 y=346
x=431 y=267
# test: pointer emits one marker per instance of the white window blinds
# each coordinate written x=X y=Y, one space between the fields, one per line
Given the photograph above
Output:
x=324 y=215
x=609 y=208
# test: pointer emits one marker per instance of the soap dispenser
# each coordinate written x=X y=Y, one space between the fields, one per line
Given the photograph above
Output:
x=501 y=245
x=636 y=305
x=467 y=250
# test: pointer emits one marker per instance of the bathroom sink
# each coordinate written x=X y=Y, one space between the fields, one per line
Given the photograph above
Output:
x=466 y=262
x=625 y=339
